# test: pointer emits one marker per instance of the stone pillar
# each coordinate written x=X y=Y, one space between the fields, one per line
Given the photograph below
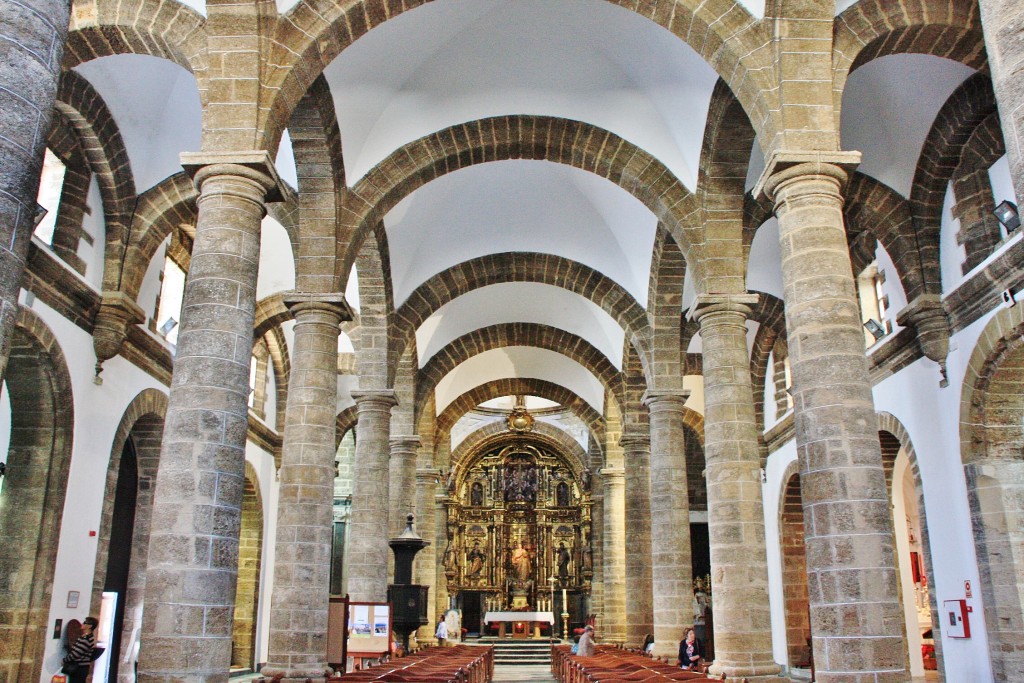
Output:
x=368 y=543
x=1003 y=24
x=441 y=596
x=597 y=558
x=671 y=564
x=614 y=484
x=193 y=549
x=32 y=37
x=402 y=486
x=739 y=565
x=425 y=569
x=636 y=442
x=305 y=510
x=856 y=613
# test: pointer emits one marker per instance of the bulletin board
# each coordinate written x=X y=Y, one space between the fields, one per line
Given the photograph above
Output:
x=369 y=629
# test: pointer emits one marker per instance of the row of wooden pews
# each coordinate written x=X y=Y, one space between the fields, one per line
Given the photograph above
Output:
x=459 y=664
x=614 y=665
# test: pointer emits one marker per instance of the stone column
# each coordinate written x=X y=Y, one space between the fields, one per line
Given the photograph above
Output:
x=597 y=558
x=402 y=486
x=856 y=613
x=671 y=564
x=193 y=549
x=32 y=37
x=614 y=483
x=739 y=565
x=1003 y=24
x=368 y=542
x=305 y=511
x=636 y=442
x=426 y=560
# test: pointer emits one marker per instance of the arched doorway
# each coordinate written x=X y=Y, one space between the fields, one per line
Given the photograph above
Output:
x=992 y=447
x=908 y=526
x=250 y=553
x=32 y=498
x=794 y=572
x=121 y=555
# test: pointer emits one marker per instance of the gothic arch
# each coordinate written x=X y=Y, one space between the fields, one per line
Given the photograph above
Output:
x=793 y=551
x=250 y=555
x=31 y=507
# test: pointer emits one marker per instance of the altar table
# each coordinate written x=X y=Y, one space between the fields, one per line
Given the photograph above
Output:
x=519 y=620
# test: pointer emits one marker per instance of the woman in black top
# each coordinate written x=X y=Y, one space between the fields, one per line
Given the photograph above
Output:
x=80 y=654
x=690 y=651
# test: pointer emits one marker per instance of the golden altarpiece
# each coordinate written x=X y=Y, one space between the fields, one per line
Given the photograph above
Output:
x=518 y=525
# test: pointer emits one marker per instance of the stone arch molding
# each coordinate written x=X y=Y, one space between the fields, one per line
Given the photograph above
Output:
x=516 y=267
x=315 y=32
x=42 y=428
x=496 y=432
x=501 y=138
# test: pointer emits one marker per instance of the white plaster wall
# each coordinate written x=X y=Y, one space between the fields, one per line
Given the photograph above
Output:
x=150 y=288
x=266 y=474
x=931 y=416
x=98 y=411
x=95 y=224
x=771 y=493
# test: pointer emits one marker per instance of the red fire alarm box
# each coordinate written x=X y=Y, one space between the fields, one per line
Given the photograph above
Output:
x=956 y=612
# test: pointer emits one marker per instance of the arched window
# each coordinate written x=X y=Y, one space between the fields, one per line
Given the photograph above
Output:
x=51 y=184
x=172 y=289
x=874 y=304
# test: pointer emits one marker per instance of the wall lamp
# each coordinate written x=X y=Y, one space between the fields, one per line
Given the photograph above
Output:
x=168 y=325
x=875 y=328
x=3 y=469
x=1006 y=213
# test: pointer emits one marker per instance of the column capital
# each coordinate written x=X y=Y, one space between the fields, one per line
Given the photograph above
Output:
x=708 y=304
x=333 y=304
x=369 y=397
x=783 y=165
x=428 y=475
x=635 y=438
x=405 y=442
x=255 y=165
x=653 y=397
x=613 y=474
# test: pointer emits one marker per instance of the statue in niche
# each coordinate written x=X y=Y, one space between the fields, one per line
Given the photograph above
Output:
x=476 y=494
x=449 y=556
x=521 y=564
x=475 y=559
x=587 y=555
x=562 y=495
x=563 y=561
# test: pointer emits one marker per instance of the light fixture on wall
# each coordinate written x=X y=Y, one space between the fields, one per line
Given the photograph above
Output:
x=1006 y=213
x=875 y=328
x=168 y=325
x=3 y=469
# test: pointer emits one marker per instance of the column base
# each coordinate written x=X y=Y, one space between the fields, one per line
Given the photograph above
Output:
x=752 y=674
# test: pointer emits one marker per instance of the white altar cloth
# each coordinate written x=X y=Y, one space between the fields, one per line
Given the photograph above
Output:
x=492 y=617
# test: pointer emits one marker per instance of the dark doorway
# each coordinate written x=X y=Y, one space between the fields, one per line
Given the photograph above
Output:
x=122 y=531
x=471 y=615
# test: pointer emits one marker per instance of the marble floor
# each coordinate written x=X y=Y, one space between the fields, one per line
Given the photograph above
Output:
x=523 y=673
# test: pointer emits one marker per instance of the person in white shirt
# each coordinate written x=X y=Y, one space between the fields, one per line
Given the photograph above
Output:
x=442 y=633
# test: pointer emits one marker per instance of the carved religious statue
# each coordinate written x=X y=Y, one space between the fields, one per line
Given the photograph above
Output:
x=521 y=565
x=475 y=559
x=563 y=561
